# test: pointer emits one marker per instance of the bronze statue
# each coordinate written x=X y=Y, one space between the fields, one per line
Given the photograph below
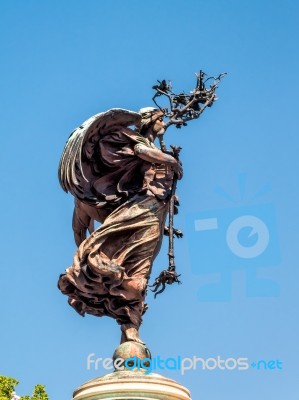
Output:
x=120 y=178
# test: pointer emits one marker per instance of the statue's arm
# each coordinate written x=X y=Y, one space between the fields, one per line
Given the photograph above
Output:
x=157 y=156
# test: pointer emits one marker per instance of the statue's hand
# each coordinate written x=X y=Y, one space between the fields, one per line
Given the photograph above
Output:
x=169 y=152
x=178 y=169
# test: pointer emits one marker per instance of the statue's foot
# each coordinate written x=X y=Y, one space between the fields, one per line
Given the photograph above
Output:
x=130 y=334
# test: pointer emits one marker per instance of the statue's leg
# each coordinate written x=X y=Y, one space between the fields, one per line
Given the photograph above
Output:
x=130 y=332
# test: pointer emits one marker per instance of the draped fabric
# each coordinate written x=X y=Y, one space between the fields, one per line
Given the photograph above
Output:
x=112 y=266
x=121 y=173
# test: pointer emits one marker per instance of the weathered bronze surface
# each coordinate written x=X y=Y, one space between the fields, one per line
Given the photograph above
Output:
x=120 y=178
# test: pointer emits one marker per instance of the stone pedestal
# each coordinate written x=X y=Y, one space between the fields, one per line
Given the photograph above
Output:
x=129 y=382
x=131 y=385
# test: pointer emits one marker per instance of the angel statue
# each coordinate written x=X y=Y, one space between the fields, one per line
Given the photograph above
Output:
x=120 y=178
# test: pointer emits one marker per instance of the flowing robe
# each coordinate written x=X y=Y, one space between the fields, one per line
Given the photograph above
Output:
x=112 y=266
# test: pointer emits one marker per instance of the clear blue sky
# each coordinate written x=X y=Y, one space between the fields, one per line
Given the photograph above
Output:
x=63 y=61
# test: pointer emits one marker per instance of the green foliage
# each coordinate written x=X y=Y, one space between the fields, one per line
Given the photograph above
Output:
x=39 y=393
x=7 y=386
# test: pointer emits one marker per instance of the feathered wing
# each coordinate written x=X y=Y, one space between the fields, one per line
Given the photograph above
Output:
x=79 y=166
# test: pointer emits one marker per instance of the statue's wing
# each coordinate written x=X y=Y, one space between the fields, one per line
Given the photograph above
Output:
x=77 y=166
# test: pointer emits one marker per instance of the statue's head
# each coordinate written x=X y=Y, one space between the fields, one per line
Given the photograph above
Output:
x=152 y=120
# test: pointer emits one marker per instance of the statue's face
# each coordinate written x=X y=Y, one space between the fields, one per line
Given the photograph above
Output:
x=158 y=124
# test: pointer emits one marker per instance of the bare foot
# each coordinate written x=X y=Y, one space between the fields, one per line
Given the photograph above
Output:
x=130 y=334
